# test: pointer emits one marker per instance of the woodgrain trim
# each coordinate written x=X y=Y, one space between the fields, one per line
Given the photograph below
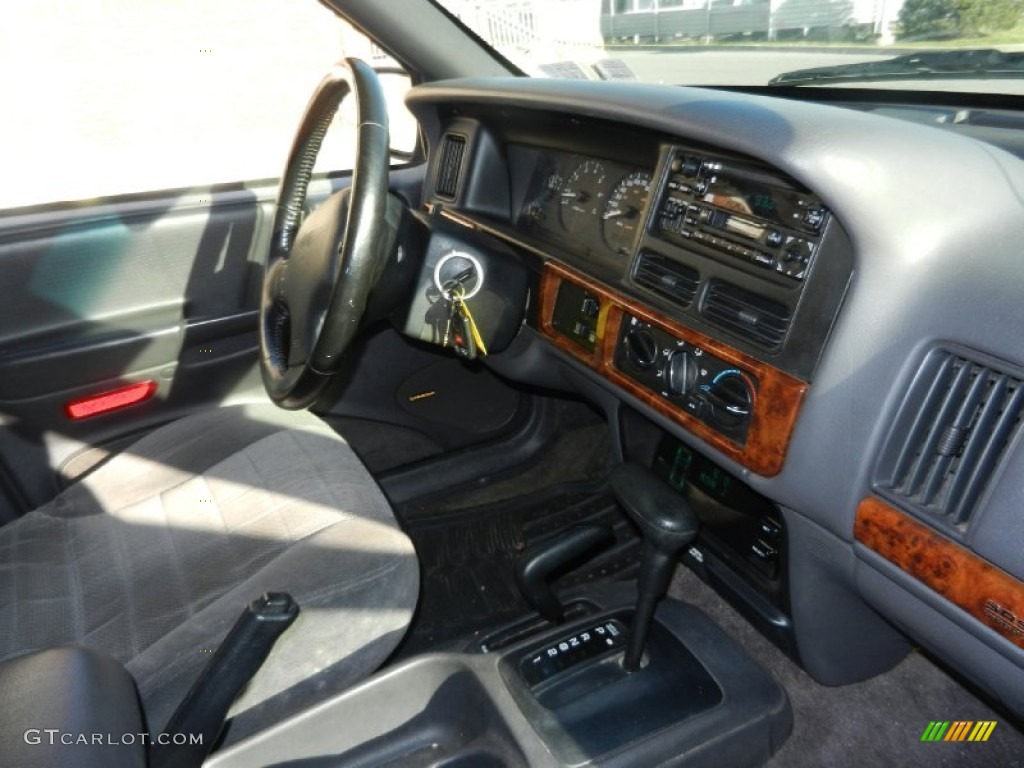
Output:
x=987 y=593
x=778 y=398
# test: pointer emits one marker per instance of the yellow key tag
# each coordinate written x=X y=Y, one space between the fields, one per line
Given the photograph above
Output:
x=478 y=340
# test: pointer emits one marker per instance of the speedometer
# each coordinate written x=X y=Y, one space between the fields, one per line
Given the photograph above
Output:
x=621 y=216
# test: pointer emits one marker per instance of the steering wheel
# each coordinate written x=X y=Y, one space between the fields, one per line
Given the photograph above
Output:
x=320 y=271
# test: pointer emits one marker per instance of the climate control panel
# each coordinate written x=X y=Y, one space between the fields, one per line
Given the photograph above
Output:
x=712 y=390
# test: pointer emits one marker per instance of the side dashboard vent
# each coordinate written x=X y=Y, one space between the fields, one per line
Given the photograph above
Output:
x=949 y=437
x=449 y=168
x=753 y=317
x=667 y=278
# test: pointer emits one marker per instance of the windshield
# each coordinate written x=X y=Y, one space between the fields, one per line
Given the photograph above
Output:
x=856 y=43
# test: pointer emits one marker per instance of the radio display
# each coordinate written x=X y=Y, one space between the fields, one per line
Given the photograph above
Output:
x=744 y=196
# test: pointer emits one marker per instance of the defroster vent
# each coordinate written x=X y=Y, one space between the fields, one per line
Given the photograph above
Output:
x=949 y=436
x=667 y=278
x=750 y=316
x=449 y=168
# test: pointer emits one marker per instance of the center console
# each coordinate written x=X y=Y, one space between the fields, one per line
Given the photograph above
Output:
x=699 y=700
x=630 y=680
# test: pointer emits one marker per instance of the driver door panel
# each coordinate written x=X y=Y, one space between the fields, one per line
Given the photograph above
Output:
x=92 y=298
x=161 y=289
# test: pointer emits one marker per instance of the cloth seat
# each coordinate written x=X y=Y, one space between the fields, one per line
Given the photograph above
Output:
x=152 y=557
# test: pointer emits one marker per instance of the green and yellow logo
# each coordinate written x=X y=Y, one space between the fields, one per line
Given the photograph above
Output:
x=958 y=730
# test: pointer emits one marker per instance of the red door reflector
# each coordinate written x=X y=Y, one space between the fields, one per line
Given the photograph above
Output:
x=114 y=400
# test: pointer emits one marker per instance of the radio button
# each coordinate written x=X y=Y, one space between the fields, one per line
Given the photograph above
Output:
x=764 y=260
x=774 y=238
x=814 y=218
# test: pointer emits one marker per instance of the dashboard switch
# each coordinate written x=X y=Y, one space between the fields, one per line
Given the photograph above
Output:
x=694 y=405
x=770 y=530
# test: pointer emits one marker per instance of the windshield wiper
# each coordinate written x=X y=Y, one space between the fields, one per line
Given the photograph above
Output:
x=928 y=65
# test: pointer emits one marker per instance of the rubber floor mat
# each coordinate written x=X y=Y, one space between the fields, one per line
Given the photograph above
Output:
x=467 y=560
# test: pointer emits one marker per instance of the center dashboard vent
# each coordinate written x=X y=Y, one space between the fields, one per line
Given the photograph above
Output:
x=949 y=436
x=667 y=278
x=755 y=318
x=449 y=166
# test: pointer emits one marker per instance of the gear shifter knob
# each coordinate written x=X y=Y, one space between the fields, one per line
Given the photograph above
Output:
x=668 y=524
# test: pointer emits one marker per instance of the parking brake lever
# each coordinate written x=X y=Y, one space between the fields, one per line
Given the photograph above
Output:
x=205 y=707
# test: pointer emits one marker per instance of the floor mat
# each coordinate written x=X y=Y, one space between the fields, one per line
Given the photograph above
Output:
x=578 y=455
x=878 y=722
x=467 y=559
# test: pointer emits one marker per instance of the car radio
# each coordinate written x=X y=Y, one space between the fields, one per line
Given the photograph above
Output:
x=743 y=213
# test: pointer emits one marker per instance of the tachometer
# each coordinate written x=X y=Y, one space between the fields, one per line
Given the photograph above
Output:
x=621 y=216
x=582 y=197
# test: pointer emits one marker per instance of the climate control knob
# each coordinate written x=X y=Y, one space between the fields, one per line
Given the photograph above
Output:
x=641 y=348
x=680 y=373
x=730 y=398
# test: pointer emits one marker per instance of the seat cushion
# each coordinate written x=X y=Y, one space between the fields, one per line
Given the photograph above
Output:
x=152 y=558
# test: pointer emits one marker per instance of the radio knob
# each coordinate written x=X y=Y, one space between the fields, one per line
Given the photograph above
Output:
x=690 y=166
x=680 y=373
x=641 y=348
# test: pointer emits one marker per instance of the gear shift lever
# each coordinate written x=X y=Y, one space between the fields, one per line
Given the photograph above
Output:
x=667 y=524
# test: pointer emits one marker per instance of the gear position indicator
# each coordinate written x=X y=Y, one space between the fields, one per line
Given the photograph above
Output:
x=567 y=652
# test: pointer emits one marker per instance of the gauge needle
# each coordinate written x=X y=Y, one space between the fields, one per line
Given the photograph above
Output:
x=628 y=213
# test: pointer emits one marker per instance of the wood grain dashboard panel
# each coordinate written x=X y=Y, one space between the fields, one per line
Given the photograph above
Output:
x=776 y=404
x=989 y=594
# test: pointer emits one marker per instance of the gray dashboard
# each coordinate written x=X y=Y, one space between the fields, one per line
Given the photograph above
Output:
x=934 y=229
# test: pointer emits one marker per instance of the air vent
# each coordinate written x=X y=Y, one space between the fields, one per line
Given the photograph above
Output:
x=950 y=436
x=759 y=320
x=453 y=147
x=670 y=279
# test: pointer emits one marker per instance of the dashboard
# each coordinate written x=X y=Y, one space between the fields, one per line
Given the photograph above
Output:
x=700 y=281
x=802 y=302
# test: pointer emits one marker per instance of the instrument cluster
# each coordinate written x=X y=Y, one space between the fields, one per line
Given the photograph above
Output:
x=590 y=207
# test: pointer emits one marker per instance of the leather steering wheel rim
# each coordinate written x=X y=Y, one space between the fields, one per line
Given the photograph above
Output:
x=319 y=272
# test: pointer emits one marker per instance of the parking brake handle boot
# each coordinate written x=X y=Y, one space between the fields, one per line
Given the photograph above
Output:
x=668 y=524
